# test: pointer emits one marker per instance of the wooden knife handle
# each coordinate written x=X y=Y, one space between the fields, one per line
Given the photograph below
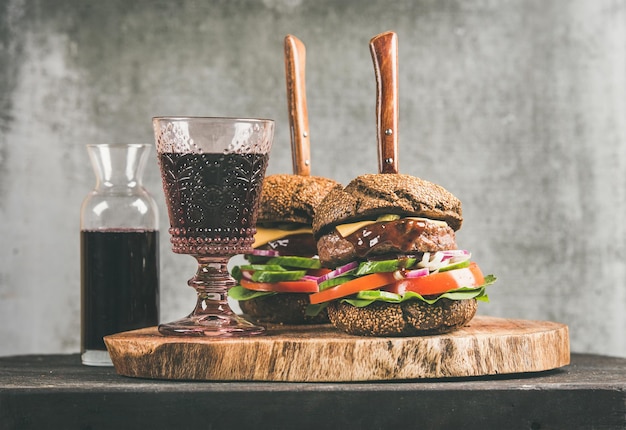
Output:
x=295 y=60
x=384 y=49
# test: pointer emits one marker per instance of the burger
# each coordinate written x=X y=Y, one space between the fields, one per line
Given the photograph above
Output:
x=283 y=268
x=396 y=269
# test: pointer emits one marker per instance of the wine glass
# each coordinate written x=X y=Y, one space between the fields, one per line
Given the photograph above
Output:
x=212 y=171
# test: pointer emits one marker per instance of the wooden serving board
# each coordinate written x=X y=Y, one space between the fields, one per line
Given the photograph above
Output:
x=487 y=346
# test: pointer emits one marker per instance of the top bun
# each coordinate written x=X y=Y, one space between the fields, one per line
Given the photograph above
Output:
x=371 y=195
x=292 y=198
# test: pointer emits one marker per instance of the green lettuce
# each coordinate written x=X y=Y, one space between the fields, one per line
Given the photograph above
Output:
x=240 y=293
x=366 y=298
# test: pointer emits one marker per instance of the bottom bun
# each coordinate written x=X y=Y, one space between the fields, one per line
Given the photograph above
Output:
x=283 y=308
x=409 y=318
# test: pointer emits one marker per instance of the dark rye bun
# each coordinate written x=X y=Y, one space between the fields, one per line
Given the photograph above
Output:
x=284 y=308
x=371 y=195
x=292 y=198
x=288 y=199
x=411 y=318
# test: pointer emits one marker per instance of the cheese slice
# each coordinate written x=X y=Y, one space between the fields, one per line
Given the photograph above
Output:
x=264 y=235
x=347 y=229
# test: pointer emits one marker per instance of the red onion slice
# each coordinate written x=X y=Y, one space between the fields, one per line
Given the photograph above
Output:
x=455 y=253
x=265 y=252
x=342 y=270
x=435 y=261
x=418 y=273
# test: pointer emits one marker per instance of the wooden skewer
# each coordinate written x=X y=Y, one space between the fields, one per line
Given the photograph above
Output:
x=384 y=49
x=295 y=59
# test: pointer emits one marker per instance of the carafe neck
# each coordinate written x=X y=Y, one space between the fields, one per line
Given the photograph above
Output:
x=118 y=166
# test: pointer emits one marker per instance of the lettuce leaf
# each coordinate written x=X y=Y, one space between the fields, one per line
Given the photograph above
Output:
x=240 y=293
x=314 y=310
x=365 y=298
x=370 y=297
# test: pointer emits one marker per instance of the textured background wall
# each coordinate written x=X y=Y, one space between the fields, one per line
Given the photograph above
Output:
x=517 y=107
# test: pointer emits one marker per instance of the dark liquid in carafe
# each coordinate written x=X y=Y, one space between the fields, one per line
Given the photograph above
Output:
x=119 y=283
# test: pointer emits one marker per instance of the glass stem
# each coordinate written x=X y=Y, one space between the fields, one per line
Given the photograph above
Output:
x=212 y=281
x=212 y=315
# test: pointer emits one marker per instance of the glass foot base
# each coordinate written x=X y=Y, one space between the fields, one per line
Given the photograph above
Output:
x=211 y=326
x=94 y=357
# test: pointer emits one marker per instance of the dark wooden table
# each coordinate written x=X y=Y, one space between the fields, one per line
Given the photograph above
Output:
x=56 y=391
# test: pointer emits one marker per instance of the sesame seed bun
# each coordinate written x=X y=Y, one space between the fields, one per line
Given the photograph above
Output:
x=371 y=195
x=410 y=318
x=292 y=198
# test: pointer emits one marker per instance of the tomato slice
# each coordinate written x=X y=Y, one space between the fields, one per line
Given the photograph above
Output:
x=317 y=272
x=368 y=282
x=281 y=286
x=441 y=282
x=437 y=283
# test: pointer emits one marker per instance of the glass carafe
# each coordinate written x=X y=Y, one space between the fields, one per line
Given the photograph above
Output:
x=119 y=227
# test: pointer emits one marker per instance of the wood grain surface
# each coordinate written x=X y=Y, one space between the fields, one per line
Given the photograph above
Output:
x=487 y=346
x=384 y=50
x=295 y=66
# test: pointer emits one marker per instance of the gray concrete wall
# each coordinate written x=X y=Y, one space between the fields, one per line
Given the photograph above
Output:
x=516 y=106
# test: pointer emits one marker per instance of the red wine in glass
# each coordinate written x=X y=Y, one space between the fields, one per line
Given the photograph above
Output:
x=212 y=200
x=212 y=171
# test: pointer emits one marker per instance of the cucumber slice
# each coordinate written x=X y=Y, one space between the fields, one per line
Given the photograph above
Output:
x=263 y=267
x=299 y=262
x=387 y=217
x=287 y=275
x=385 y=296
x=368 y=267
x=453 y=266
x=333 y=282
x=236 y=273
x=257 y=259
